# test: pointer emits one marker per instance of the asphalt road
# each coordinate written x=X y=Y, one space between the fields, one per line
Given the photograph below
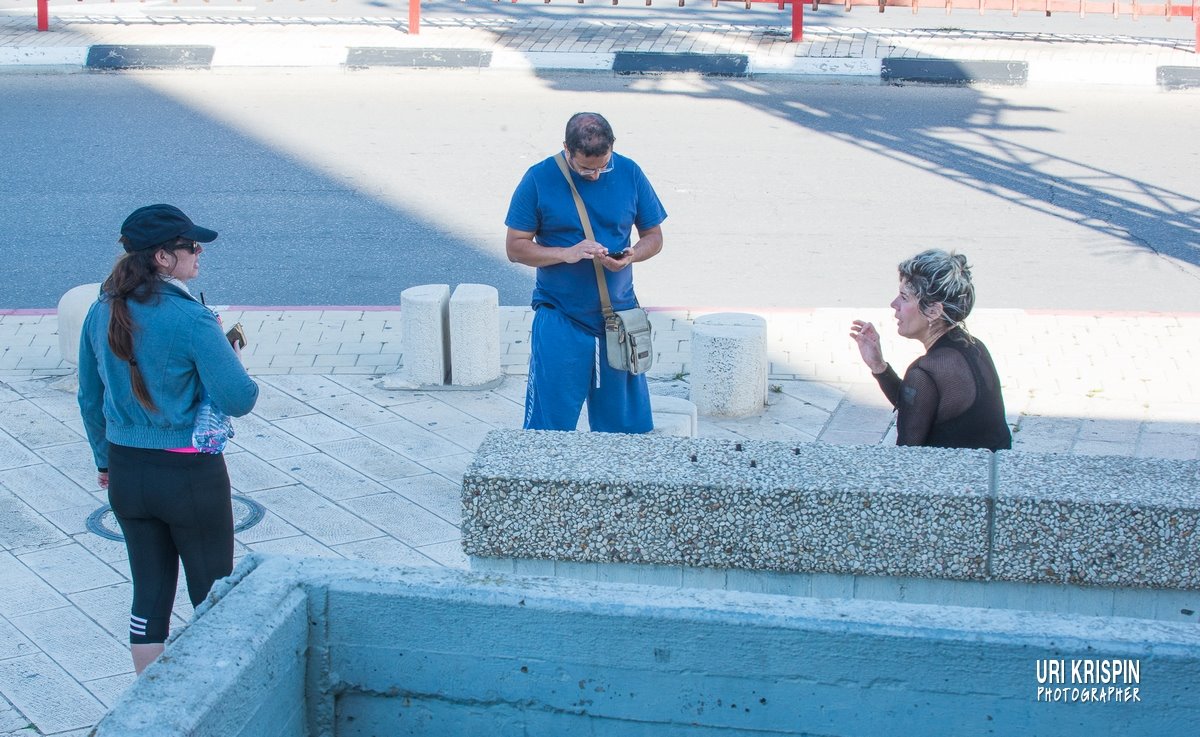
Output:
x=345 y=188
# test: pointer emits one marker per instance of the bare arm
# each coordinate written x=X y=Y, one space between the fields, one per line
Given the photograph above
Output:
x=521 y=249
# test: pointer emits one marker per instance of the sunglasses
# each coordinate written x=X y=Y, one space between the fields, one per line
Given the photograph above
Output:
x=190 y=246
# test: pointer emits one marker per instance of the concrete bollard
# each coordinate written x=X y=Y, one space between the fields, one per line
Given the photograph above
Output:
x=474 y=335
x=729 y=364
x=72 y=309
x=424 y=318
x=673 y=416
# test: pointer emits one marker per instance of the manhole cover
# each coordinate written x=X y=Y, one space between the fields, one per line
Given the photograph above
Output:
x=246 y=514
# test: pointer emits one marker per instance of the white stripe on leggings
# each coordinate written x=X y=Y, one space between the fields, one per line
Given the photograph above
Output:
x=596 y=362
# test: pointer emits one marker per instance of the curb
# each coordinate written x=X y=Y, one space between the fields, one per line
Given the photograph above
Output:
x=888 y=70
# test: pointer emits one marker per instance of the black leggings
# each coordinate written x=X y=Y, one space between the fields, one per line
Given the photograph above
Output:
x=171 y=506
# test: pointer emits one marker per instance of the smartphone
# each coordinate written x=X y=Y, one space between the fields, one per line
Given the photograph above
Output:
x=618 y=255
x=236 y=336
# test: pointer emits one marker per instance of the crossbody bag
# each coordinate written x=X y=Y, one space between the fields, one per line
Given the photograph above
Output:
x=626 y=332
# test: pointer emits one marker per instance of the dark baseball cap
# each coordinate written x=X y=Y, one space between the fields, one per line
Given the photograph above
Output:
x=155 y=225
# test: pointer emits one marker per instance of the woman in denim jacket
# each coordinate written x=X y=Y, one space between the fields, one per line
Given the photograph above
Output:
x=149 y=354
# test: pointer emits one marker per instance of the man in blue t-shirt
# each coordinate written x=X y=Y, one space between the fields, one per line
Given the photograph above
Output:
x=568 y=363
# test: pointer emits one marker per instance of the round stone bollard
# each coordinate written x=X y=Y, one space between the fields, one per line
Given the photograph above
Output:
x=425 y=337
x=72 y=309
x=729 y=364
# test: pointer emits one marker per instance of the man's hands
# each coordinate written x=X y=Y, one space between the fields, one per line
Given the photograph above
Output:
x=616 y=264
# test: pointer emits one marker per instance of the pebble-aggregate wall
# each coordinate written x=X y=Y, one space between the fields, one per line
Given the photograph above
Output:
x=804 y=508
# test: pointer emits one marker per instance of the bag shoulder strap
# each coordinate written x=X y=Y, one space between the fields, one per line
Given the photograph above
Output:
x=601 y=284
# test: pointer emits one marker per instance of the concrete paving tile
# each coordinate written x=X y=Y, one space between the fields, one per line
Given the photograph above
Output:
x=412 y=441
x=403 y=519
x=301 y=545
x=1103 y=448
x=108 y=607
x=316 y=428
x=448 y=554
x=765 y=428
x=386 y=551
x=13 y=723
x=484 y=406
x=44 y=488
x=328 y=477
x=433 y=413
x=78 y=644
x=817 y=394
x=13 y=454
x=33 y=426
x=13 y=644
x=73 y=520
x=270 y=527
x=47 y=695
x=70 y=568
x=273 y=404
x=265 y=440
x=61 y=405
x=315 y=515
x=353 y=410
x=434 y=493
x=74 y=461
x=1168 y=445
x=7 y=394
x=467 y=437
x=372 y=459
x=450 y=468
x=21 y=526
x=109 y=551
x=248 y=473
x=513 y=388
x=108 y=690
x=367 y=386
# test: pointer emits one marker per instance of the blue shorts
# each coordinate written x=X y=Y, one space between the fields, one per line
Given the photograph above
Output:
x=568 y=367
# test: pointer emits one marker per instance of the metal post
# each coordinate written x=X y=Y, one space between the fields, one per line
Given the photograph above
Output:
x=798 y=20
x=43 y=11
x=414 y=17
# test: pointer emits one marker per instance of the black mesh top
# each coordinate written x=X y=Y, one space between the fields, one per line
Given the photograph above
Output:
x=949 y=398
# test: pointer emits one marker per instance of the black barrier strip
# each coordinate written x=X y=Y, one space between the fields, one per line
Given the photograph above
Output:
x=950 y=71
x=649 y=62
x=1179 y=78
x=149 y=57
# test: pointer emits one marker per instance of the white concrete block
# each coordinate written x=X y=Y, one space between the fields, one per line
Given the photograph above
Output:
x=729 y=364
x=425 y=317
x=72 y=308
x=474 y=335
x=674 y=416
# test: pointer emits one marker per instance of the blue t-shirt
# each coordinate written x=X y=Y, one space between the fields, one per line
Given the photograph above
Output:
x=616 y=203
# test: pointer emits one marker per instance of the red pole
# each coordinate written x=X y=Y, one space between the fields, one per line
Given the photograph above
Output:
x=798 y=20
x=43 y=15
x=414 y=17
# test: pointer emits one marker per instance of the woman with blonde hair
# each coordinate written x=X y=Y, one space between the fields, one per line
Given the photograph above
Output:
x=149 y=356
x=950 y=397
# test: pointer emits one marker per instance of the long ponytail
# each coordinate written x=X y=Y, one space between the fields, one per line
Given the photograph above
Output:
x=135 y=276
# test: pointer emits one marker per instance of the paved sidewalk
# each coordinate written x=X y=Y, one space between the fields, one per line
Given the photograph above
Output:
x=79 y=41
x=344 y=468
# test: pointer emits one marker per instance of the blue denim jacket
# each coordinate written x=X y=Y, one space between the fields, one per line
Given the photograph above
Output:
x=182 y=353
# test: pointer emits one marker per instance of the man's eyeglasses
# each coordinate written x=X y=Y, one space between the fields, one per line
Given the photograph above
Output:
x=591 y=172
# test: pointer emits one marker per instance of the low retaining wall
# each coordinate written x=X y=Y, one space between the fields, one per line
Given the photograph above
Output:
x=689 y=510
x=321 y=647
